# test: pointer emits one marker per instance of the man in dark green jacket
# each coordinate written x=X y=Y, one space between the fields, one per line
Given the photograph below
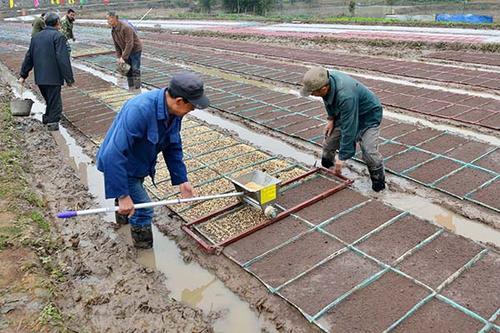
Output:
x=38 y=25
x=354 y=115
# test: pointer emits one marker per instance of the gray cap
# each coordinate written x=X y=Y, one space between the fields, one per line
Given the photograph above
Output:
x=51 y=19
x=314 y=79
x=189 y=86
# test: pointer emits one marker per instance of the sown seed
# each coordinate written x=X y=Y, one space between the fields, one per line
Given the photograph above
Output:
x=207 y=207
x=290 y=174
x=233 y=223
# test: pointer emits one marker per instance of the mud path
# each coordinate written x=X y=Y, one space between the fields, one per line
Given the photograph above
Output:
x=104 y=289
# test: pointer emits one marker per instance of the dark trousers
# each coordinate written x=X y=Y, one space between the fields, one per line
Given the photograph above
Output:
x=134 y=74
x=52 y=97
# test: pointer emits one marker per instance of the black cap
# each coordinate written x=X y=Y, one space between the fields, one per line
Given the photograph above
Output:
x=51 y=19
x=189 y=86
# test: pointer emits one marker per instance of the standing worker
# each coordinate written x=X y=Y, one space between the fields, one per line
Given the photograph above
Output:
x=67 y=26
x=146 y=125
x=49 y=56
x=38 y=25
x=128 y=48
x=354 y=115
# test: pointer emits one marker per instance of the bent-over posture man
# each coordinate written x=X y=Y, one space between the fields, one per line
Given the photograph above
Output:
x=146 y=125
x=354 y=115
x=128 y=48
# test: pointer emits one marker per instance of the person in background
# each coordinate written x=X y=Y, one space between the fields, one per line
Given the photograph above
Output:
x=49 y=57
x=67 y=26
x=38 y=25
x=128 y=48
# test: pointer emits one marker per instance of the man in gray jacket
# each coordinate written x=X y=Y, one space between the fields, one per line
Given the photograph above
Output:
x=49 y=57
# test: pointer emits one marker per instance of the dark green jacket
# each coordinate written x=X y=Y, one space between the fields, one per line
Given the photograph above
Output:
x=354 y=108
x=67 y=28
x=38 y=26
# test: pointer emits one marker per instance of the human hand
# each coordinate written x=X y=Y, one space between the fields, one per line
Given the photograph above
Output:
x=121 y=61
x=126 y=206
x=187 y=190
x=328 y=128
x=338 y=166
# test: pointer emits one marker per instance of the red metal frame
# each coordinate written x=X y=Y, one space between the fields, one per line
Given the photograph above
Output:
x=211 y=248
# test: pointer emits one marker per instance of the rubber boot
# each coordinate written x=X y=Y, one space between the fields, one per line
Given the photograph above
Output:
x=377 y=176
x=119 y=218
x=142 y=236
x=130 y=82
x=53 y=126
x=137 y=81
x=326 y=162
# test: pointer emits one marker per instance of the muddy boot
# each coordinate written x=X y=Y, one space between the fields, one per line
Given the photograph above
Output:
x=326 y=162
x=377 y=176
x=53 y=126
x=130 y=82
x=137 y=82
x=142 y=236
x=119 y=218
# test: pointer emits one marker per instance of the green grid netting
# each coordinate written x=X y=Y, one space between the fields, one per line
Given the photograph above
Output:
x=314 y=318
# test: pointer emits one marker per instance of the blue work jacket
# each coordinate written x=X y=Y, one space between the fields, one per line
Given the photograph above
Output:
x=141 y=130
x=353 y=108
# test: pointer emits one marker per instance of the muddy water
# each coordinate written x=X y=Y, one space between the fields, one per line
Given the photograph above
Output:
x=201 y=289
x=188 y=282
x=444 y=217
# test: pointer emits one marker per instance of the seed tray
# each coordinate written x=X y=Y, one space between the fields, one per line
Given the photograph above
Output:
x=204 y=148
x=202 y=138
x=162 y=174
x=232 y=223
x=202 y=209
x=193 y=131
x=165 y=188
x=201 y=176
x=273 y=166
x=290 y=174
x=208 y=147
x=215 y=187
x=222 y=154
x=237 y=162
x=192 y=164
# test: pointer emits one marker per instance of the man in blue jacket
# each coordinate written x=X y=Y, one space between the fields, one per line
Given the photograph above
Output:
x=147 y=125
x=354 y=115
x=49 y=56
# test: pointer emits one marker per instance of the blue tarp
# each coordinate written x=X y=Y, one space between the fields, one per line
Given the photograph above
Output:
x=465 y=18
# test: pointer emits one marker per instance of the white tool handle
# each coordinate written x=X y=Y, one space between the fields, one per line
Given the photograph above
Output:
x=73 y=213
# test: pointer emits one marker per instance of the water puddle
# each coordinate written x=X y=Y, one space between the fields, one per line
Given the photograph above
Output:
x=444 y=217
x=201 y=289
